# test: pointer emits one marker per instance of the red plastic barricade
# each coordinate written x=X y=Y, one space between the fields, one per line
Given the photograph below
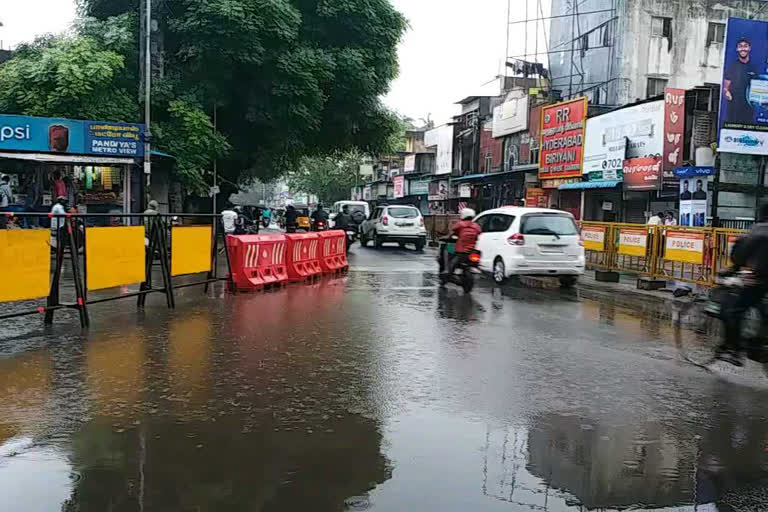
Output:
x=257 y=260
x=303 y=256
x=334 y=251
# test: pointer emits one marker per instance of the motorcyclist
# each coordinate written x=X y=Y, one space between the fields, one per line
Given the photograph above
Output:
x=343 y=219
x=749 y=253
x=467 y=231
x=242 y=222
x=319 y=215
x=291 y=216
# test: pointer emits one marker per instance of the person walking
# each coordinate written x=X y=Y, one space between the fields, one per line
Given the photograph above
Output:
x=58 y=223
x=6 y=197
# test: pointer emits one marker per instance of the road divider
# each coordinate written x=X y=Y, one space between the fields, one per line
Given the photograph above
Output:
x=334 y=251
x=257 y=260
x=303 y=256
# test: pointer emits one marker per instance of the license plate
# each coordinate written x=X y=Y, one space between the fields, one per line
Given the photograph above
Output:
x=551 y=249
x=404 y=224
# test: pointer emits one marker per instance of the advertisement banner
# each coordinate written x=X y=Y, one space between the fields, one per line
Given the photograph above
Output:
x=418 y=188
x=593 y=238
x=442 y=139
x=562 y=139
x=512 y=115
x=410 y=163
x=399 y=186
x=693 y=171
x=465 y=190
x=642 y=173
x=536 y=198
x=684 y=246
x=608 y=165
x=693 y=202
x=438 y=191
x=674 y=129
x=744 y=91
x=633 y=242
x=68 y=136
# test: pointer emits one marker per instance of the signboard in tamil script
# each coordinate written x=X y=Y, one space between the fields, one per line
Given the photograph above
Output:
x=684 y=246
x=562 y=138
x=642 y=173
x=632 y=241
x=536 y=198
x=674 y=128
x=593 y=238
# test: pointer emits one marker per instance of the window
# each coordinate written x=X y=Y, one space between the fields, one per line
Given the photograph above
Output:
x=495 y=222
x=378 y=213
x=488 y=163
x=715 y=33
x=548 y=224
x=655 y=87
x=403 y=213
x=661 y=27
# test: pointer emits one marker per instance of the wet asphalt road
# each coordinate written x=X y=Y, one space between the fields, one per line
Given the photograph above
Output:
x=373 y=391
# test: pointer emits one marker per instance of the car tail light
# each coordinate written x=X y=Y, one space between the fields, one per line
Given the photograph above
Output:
x=385 y=220
x=474 y=257
x=421 y=221
x=516 y=239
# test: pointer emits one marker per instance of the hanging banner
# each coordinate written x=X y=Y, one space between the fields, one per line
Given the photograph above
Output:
x=744 y=91
x=632 y=241
x=684 y=246
x=593 y=238
x=562 y=139
x=674 y=129
x=399 y=186
x=642 y=173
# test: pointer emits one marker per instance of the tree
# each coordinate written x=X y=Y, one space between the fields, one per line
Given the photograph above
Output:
x=330 y=178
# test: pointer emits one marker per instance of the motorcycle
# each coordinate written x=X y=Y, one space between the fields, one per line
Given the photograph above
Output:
x=463 y=274
x=320 y=225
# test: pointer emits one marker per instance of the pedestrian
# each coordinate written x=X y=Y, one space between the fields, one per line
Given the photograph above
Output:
x=59 y=187
x=57 y=223
x=656 y=220
x=228 y=219
x=670 y=219
x=152 y=209
x=32 y=202
x=6 y=197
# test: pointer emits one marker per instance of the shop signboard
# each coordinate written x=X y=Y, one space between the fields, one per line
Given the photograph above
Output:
x=438 y=191
x=562 y=139
x=744 y=92
x=593 y=238
x=512 y=115
x=399 y=186
x=68 y=136
x=465 y=190
x=536 y=197
x=684 y=246
x=692 y=171
x=441 y=138
x=674 y=129
x=642 y=173
x=608 y=165
x=418 y=188
x=633 y=241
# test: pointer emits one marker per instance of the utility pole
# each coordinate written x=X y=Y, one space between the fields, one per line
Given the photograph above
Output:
x=148 y=91
x=215 y=188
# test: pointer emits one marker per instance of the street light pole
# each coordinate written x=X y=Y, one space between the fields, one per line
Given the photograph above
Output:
x=148 y=91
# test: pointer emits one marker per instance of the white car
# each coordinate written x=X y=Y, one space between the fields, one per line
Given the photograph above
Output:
x=520 y=241
x=396 y=223
x=358 y=210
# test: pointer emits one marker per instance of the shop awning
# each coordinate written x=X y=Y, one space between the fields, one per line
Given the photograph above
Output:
x=583 y=185
x=68 y=159
x=471 y=177
x=492 y=175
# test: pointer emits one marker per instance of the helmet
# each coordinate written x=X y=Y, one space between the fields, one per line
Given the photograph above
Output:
x=61 y=199
x=467 y=213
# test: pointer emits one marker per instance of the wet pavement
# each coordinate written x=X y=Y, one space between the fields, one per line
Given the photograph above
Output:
x=374 y=391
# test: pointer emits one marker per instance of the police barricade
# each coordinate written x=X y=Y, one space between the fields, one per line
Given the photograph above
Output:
x=101 y=252
x=303 y=254
x=334 y=251
x=257 y=260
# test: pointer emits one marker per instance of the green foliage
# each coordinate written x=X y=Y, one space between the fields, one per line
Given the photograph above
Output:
x=329 y=177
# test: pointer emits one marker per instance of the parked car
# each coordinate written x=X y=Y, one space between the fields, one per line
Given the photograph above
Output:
x=358 y=210
x=520 y=241
x=397 y=223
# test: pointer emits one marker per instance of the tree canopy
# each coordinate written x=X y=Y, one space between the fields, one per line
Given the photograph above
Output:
x=329 y=177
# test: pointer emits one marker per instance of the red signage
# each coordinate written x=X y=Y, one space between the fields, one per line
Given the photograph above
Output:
x=642 y=173
x=674 y=129
x=562 y=139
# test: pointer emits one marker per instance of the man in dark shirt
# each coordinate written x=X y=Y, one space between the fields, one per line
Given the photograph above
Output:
x=736 y=80
x=686 y=194
x=699 y=194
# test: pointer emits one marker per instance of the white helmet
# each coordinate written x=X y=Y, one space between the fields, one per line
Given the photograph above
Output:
x=467 y=213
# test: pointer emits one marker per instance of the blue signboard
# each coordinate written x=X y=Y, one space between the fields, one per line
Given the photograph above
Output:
x=68 y=136
x=691 y=171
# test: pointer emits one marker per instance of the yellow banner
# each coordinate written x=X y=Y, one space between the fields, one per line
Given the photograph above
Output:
x=593 y=238
x=633 y=242
x=684 y=246
x=115 y=256
x=190 y=250
x=25 y=259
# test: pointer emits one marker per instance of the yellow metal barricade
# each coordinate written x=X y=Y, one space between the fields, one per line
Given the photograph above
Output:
x=598 y=244
x=634 y=248
x=685 y=254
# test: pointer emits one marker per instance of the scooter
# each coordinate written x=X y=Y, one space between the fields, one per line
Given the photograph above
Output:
x=464 y=273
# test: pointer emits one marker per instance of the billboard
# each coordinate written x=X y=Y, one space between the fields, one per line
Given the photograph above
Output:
x=511 y=116
x=693 y=202
x=639 y=127
x=441 y=138
x=399 y=186
x=642 y=173
x=562 y=139
x=674 y=130
x=68 y=136
x=744 y=91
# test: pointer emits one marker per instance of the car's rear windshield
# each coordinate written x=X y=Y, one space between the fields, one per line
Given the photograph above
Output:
x=548 y=224
x=403 y=213
x=356 y=208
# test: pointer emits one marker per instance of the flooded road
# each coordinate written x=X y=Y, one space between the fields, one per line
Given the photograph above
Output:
x=374 y=391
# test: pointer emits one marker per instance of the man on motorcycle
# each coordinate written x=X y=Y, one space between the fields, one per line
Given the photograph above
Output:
x=343 y=219
x=291 y=219
x=319 y=215
x=242 y=222
x=749 y=253
x=467 y=231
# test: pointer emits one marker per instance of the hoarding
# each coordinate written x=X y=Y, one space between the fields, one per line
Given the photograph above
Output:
x=562 y=139
x=68 y=136
x=441 y=138
x=639 y=127
x=674 y=130
x=642 y=173
x=744 y=92
x=511 y=116
x=693 y=202
x=399 y=186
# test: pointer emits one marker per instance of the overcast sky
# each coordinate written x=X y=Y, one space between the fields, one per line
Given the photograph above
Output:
x=452 y=48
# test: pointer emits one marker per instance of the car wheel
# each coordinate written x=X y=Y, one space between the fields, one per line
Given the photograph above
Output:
x=568 y=281
x=420 y=245
x=401 y=244
x=377 y=241
x=499 y=271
